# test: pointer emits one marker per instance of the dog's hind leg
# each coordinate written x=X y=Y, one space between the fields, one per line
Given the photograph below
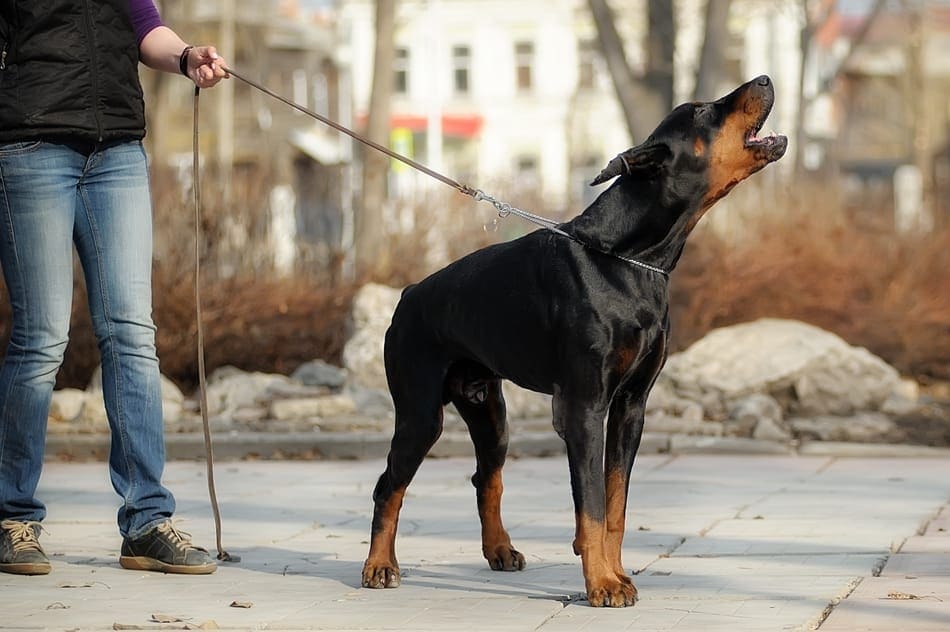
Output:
x=417 y=397
x=481 y=404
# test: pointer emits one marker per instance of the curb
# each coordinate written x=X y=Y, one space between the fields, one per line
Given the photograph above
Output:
x=238 y=445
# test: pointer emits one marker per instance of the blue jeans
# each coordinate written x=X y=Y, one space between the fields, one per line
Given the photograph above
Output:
x=55 y=196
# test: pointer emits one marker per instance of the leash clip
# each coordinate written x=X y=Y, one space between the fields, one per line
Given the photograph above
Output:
x=504 y=209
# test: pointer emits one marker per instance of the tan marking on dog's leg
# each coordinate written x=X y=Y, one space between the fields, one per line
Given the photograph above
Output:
x=616 y=522
x=496 y=543
x=381 y=569
x=604 y=586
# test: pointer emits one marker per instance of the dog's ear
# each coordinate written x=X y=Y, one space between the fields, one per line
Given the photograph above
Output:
x=645 y=156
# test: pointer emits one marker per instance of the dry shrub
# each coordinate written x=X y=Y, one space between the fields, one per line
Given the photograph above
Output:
x=254 y=317
x=889 y=293
x=270 y=325
x=440 y=228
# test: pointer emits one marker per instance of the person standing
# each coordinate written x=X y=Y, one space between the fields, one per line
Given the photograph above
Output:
x=73 y=172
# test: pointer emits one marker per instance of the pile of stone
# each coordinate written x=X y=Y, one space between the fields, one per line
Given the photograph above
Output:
x=775 y=380
x=780 y=380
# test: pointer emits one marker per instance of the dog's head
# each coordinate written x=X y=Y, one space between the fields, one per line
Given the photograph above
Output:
x=716 y=143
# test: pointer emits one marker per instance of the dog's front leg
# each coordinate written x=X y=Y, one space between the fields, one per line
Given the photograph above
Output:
x=583 y=432
x=624 y=431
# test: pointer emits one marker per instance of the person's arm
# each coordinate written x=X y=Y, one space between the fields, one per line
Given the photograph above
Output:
x=163 y=49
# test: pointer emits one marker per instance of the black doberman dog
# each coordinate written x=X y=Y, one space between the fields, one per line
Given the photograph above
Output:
x=580 y=313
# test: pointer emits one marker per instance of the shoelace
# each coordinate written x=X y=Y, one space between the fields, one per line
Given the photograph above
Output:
x=180 y=539
x=23 y=534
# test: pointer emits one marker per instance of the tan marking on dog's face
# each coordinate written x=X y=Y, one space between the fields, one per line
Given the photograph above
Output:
x=699 y=147
x=731 y=158
x=730 y=162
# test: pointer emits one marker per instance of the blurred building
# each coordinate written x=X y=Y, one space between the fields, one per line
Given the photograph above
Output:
x=248 y=136
x=493 y=91
x=484 y=90
x=877 y=115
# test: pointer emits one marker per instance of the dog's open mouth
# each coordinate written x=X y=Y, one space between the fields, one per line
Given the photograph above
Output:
x=771 y=146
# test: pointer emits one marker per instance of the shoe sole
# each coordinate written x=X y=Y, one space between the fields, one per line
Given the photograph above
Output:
x=151 y=564
x=26 y=569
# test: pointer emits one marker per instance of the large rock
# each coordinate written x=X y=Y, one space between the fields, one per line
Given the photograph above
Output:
x=320 y=373
x=231 y=390
x=373 y=308
x=861 y=428
x=66 y=404
x=309 y=407
x=520 y=403
x=807 y=370
x=94 y=409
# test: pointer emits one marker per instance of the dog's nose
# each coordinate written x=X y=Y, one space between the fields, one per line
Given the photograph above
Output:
x=763 y=80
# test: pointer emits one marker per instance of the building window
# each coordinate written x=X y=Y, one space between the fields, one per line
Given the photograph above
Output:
x=524 y=61
x=299 y=79
x=401 y=71
x=527 y=173
x=461 y=62
x=586 y=61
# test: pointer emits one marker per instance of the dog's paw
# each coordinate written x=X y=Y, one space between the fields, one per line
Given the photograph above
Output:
x=380 y=575
x=615 y=592
x=505 y=558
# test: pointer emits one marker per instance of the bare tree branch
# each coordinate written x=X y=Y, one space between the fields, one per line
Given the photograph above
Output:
x=632 y=94
x=369 y=217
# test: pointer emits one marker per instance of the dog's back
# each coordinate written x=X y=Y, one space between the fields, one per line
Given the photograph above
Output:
x=535 y=293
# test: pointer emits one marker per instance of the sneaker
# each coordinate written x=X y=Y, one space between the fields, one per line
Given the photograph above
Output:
x=166 y=549
x=20 y=550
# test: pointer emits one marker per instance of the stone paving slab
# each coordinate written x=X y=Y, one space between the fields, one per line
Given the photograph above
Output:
x=940 y=525
x=738 y=543
x=918 y=564
x=887 y=604
x=790 y=537
x=926 y=544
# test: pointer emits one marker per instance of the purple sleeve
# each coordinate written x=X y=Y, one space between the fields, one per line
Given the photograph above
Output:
x=144 y=16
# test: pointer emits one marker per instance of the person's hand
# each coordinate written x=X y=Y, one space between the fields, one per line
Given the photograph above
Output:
x=205 y=67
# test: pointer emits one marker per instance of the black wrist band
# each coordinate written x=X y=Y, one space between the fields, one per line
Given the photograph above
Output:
x=183 y=60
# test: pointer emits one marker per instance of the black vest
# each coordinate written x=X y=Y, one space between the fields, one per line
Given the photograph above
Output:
x=69 y=70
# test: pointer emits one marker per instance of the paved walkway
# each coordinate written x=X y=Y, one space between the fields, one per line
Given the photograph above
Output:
x=718 y=543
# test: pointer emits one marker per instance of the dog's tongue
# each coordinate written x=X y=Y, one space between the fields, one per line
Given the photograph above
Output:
x=754 y=137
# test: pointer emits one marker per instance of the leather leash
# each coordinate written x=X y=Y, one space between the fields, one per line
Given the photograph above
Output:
x=223 y=555
x=503 y=209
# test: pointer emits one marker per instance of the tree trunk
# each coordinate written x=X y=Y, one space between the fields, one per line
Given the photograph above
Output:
x=661 y=45
x=639 y=105
x=711 y=76
x=369 y=228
